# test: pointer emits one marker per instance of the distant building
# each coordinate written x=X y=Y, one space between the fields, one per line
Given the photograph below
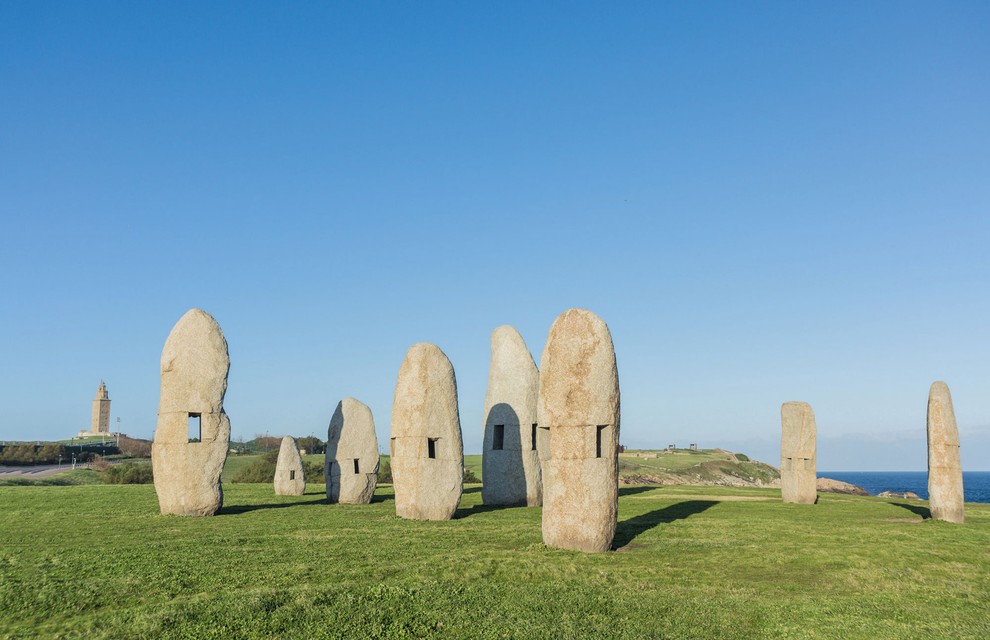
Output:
x=671 y=447
x=693 y=447
x=101 y=410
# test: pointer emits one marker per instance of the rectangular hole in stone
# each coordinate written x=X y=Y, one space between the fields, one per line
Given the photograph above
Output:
x=195 y=430
x=357 y=468
x=598 y=439
x=292 y=474
x=498 y=437
x=431 y=447
x=533 y=438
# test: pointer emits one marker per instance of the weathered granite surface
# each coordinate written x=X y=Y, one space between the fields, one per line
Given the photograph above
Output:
x=351 y=466
x=512 y=441
x=579 y=404
x=290 y=479
x=194 y=370
x=945 y=481
x=427 y=452
x=798 y=454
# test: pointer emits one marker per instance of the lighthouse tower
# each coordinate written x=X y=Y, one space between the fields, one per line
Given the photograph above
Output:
x=101 y=410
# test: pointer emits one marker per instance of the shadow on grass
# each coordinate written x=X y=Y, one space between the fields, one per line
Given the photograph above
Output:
x=633 y=490
x=245 y=508
x=627 y=530
x=464 y=512
x=472 y=490
x=916 y=509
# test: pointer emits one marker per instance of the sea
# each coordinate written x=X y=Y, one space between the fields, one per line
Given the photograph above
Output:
x=976 y=484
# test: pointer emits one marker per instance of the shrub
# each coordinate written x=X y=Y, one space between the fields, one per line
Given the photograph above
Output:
x=129 y=473
x=134 y=448
x=470 y=477
x=385 y=472
x=742 y=457
x=263 y=470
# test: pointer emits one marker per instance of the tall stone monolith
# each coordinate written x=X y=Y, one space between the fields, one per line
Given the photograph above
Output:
x=945 y=482
x=512 y=442
x=427 y=453
x=579 y=404
x=290 y=480
x=351 y=465
x=798 y=457
x=193 y=432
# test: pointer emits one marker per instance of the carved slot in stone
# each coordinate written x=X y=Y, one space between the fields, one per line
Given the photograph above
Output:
x=498 y=437
x=431 y=448
x=195 y=427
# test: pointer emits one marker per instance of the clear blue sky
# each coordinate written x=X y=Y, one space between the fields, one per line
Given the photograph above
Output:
x=765 y=201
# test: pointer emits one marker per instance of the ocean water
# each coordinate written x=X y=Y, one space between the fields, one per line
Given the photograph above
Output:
x=976 y=484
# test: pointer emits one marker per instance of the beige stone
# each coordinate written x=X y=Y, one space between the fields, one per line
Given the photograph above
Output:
x=290 y=479
x=351 y=466
x=101 y=410
x=579 y=404
x=512 y=440
x=193 y=433
x=945 y=481
x=798 y=457
x=427 y=454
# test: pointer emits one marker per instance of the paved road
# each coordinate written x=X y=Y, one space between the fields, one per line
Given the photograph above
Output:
x=35 y=471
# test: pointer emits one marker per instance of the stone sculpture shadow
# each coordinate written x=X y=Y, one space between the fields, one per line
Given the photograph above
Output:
x=627 y=530
x=633 y=490
x=916 y=509
x=234 y=510
x=502 y=471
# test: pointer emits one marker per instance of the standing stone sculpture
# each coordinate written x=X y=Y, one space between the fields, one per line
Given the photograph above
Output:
x=289 y=477
x=427 y=452
x=351 y=466
x=512 y=440
x=579 y=404
x=798 y=457
x=945 y=481
x=193 y=432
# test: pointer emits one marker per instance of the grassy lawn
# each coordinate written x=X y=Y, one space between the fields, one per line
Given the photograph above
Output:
x=693 y=562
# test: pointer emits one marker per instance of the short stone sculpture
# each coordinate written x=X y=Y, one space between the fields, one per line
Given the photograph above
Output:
x=351 y=466
x=945 y=481
x=798 y=457
x=289 y=477
x=579 y=404
x=193 y=432
x=512 y=441
x=427 y=452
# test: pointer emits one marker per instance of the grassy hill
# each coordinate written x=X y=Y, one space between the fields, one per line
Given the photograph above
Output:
x=702 y=467
x=711 y=562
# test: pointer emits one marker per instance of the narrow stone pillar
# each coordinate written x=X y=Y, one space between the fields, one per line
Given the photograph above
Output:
x=193 y=432
x=579 y=404
x=511 y=442
x=798 y=456
x=427 y=452
x=289 y=477
x=945 y=482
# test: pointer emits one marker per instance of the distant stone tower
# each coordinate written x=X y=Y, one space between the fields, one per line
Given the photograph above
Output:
x=101 y=410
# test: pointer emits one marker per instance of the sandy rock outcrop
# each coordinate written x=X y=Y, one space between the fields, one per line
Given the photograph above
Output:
x=290 y=480
x=193 y=432
x=427 y=452
x=512 y=440
x=945 y=481
x=798 y=457
x=910 y=495
x=579 y=404
x=828 y=485
x=351 y=466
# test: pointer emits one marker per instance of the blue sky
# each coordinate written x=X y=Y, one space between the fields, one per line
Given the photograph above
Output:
x=765 y=202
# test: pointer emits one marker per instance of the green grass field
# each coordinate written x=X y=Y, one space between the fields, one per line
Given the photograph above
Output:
x=692 y=562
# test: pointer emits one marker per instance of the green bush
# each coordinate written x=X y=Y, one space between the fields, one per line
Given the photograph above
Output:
x=385 y=472
x=263 y=470
x=470 y=477
x=129 y=473
x=742 y=457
